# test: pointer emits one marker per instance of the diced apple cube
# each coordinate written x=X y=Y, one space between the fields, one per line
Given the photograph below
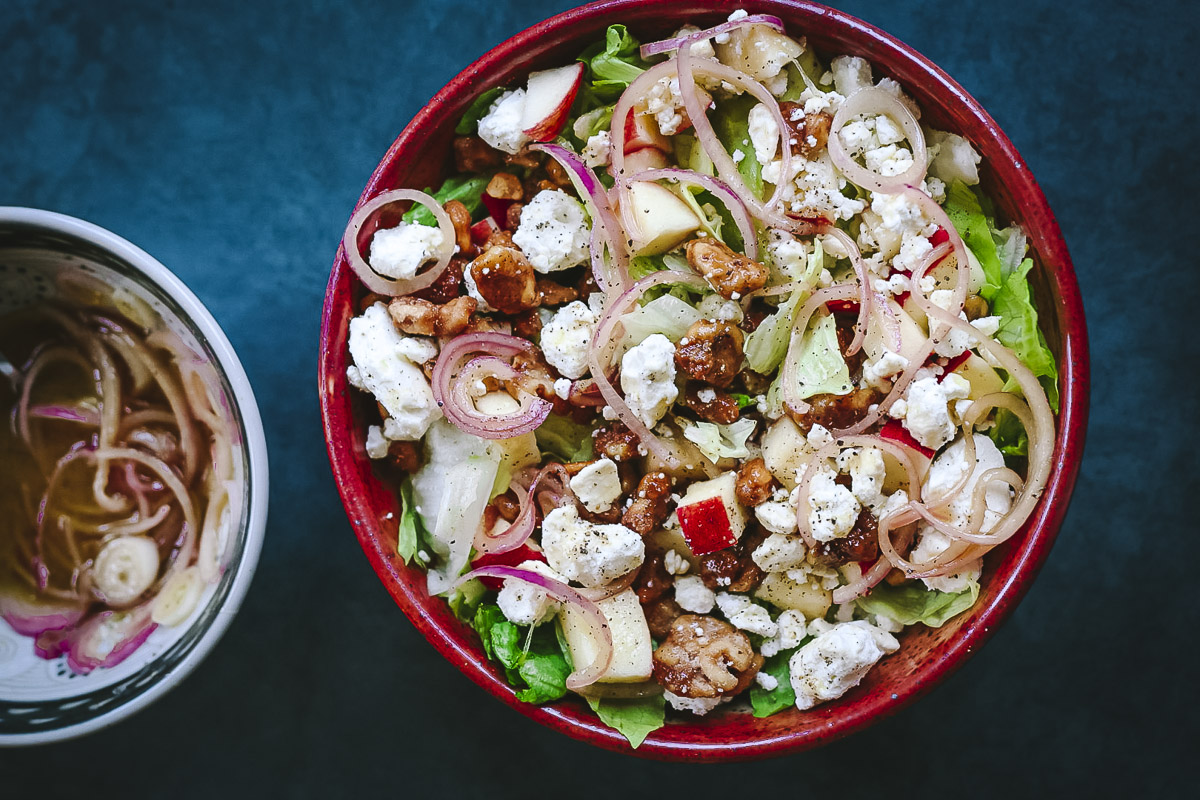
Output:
x=658 y=219
x=710 y=516
x=548 y=99
x=782 y=592
x=644 y=159
x=641 y=130
x=785 y=451
x=759 y=51
x=631 y=662
x=983 y=379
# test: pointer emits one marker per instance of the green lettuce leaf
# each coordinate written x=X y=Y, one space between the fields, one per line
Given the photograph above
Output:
x=667 y=315
x=612 y=65
x=911 y=602
x=533 y=660
x=765 y=703
x=476 y=111
x=768 y=343
x=466 y=189
x=412 y=537
x=821 y=368
x=1009 y=434
x=464 y=602
x=633 y=719
x=564 y=439
x=966 y=214
x=1019 y=331
x=731 y=123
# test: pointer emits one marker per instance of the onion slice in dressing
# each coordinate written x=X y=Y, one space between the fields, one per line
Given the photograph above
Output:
x=873 y=100
x=352 y=244
x=454 y=399
x=602 y=633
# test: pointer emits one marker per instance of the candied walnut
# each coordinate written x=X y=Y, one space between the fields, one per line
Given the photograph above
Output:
x=499 y=238
x=754 y=483
x=512 y=216
x=649 y=511
x=835 y=411
x=711 y=405
x=523 y=158
x=369 y=300
x=711 y=351
x=556 y=173
x=505 y=279
x=653 y=580
x=416 y=316
x=975 y=307
x=504 y=186
x=533 y=185
x=554 y=294
x=802 y=126
x=754 y=382
x=507 y=506
x=460 y=217
x=860 y=544
x=404 y=456
x=528 y=324
x=731 y=274
x=448 y=285
x=659 y=616
x=844 y=326
x=733 y=569
x=705 y=657
x=472 y=154
x=616 y=442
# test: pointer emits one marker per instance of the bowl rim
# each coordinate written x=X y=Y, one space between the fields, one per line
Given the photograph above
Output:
x=1043 y=525
x=205 y=326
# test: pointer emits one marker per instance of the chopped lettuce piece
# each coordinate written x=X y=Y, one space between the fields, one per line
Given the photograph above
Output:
x=533 y=660
x=476 y=111
x=911 y=602
x=768 y=343
x=731 y=123
x=611 y=65
x=451 y=490
x=411 y=535
x=667 y=315
x=767 y=702
x=689 y=154
x=705 y=207
x=820 y=368
x=633 y=719
x=1006 y=286
x=465 y=600
x=466 y=189
x=743 y=400
x=1019 y=331
x=721 y=441
x=1009 y=434
x=564 y=439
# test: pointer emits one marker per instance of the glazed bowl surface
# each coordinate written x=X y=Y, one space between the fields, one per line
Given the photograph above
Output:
x=420 y=157
x=80 y=265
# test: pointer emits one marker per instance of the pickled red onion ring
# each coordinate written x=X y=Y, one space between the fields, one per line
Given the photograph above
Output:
x=373 y=280
x=873 y=100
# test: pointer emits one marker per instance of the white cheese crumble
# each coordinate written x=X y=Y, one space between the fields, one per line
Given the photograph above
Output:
x=567 y=338
x=553 y=232
x=386 y=365
x=597 y=485
x=592 y=555
x=693 y=596
x=501 y=126
x=648 y=378
x=400 y=251
x=836 y=661
x=525 y=604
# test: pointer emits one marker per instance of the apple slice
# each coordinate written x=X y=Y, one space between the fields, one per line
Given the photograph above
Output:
x=641 y=131
x=656 y=218
x=709 y=514
x=482 y=230
x=548 y=99
x=632 y=660
x=644 y=159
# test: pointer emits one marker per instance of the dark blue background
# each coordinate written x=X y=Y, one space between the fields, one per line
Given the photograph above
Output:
x=231 y=140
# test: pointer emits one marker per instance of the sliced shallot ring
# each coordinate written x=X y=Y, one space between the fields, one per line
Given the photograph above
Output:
x=448 y=364
x=902 y=518
x=873 y=100
x=372 y=279
x=460 y=408
x=611 y=589
x=865 y=295
x=522 y=527
x=560 y=591
x=667 y=45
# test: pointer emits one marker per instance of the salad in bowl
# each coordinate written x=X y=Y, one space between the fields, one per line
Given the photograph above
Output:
x=705 y=374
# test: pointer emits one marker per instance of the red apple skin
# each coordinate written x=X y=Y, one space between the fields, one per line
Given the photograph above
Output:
x=483 y=229
x=706 y=527
x=552 y=125
x=641 y=131
x=893 y=430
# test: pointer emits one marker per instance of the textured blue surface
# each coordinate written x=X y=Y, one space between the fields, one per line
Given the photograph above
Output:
x=231 y=140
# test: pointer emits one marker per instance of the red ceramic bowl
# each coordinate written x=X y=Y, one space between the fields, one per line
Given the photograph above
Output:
x=421 y=155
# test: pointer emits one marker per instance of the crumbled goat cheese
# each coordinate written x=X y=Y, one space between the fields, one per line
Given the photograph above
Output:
x=836 y=661
x=597 y=485
x=593 y=555
x=525 y=604
x=833 y=509
x=377 y=446
x=567 y=338
x=927 y=412
x=648 y=378
x=696 y=705
x=674 y=563
x=791 y=632
x=777 y=518
x=597 y=152
x=779 y=552
x=878 y=372
x=501 y=126
x=386 y=365
x=400 y=251
x=553 y=232
x=764 y=134
x=693 y=596
x=745 y=614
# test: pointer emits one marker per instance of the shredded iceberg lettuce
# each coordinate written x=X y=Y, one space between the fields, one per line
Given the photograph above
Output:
x=820 y=368
x=911 y=602
x=667 y=315
x=721 y=441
